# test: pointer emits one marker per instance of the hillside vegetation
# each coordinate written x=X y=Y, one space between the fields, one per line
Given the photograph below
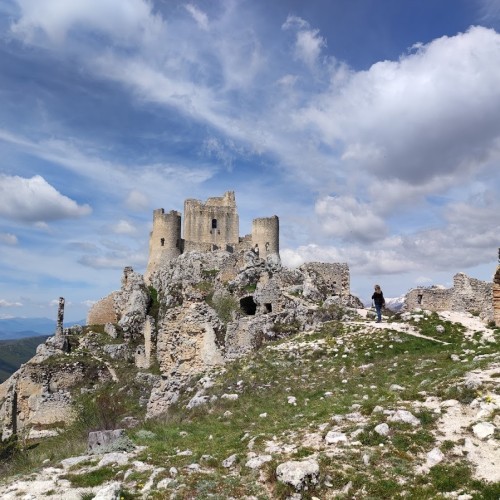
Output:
x=406 y=409
x=13 y=353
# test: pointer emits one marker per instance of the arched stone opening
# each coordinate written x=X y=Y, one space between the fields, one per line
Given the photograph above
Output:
x=248 y=306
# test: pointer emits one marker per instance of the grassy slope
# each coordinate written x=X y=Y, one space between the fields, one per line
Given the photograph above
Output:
x=326 y=372
x=13 y=353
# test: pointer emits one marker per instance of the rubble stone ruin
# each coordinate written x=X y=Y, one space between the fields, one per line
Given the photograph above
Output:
x=496 y=293
x=208 y=226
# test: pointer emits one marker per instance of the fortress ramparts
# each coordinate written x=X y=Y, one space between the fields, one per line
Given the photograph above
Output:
x=208 y=226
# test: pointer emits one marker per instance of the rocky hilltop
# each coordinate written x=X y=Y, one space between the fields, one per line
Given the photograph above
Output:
x=231 y=376
x=197 y=311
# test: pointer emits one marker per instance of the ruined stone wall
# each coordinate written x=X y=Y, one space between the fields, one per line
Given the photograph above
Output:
x=266 y=234
x=165 y=240
x=104 y=311
x=467 y=295
x=332 y=278
x=214 y=222
x=496 y=297
x=429 y=298
x=472 y=295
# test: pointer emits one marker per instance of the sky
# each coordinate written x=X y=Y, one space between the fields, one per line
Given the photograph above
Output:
x=370 y=127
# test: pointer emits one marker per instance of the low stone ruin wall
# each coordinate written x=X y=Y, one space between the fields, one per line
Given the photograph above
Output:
x=467 y=295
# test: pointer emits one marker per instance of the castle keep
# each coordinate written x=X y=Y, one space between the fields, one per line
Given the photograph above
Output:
x=209 y=226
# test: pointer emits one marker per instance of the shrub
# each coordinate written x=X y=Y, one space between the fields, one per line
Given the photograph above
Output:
x=224 y=306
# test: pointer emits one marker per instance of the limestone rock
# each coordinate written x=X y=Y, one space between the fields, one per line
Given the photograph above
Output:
x=483 y=430
x=299 y=474
x=109 y=441
x=406 y=417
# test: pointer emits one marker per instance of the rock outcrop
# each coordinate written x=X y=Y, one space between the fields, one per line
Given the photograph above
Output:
x=199 y=311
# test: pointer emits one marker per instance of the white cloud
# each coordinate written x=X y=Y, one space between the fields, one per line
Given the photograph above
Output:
x=308 y=46
x=115 y=259
x=432 y=113
x=423 y=280
x=6 y=303
x=489 y=10
x=89 y=303
x=8 y=239
x=199 y=16
x=127 y=21
x=349 y=219
x=137 y=200
x=308 y=43
x=35 y=200
x=124 y=227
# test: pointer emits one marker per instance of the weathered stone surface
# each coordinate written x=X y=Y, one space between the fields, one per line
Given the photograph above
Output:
x=108 y=441
x=299 y=474
x=467 y=295
x=190 y=340
x=496 y=297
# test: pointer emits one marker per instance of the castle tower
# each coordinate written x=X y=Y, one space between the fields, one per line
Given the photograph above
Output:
x=266 y=235
x=165 y=240
x=213 y=225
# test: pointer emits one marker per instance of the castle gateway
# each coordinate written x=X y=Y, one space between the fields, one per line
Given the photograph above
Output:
x=213 y=225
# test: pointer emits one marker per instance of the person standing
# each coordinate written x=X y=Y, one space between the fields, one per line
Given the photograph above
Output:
x=379 y=302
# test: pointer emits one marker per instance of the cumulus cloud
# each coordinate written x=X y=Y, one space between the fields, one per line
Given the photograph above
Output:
x=432 y=113
x=349 y=219
x=8 y=239
x=35 y=200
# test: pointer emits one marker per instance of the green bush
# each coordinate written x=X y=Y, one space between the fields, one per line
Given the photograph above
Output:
x=224 y=307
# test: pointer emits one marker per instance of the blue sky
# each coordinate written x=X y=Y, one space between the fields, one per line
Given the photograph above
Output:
x=369 y=127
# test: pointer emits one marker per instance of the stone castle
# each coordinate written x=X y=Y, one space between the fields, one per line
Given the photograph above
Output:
x=209 y=226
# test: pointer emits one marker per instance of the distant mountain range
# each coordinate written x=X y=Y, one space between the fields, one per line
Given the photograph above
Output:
x=18 y=328
x=395 y=303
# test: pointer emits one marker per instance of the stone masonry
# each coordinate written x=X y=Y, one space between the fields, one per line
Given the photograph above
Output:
x=208 y=226
x=496 y=296
x=467 y=295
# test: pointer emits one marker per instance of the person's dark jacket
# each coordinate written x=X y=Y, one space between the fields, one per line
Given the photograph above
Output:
x=378 y=299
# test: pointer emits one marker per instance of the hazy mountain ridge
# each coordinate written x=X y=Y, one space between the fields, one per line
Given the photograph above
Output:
x=17 y=328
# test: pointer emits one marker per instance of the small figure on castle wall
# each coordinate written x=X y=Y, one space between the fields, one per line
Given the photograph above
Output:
x=256 y=249
x=378 y=301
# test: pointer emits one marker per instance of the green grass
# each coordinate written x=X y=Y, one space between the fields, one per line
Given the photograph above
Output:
x=357 y=368
x=92 y=478
x=13 y=353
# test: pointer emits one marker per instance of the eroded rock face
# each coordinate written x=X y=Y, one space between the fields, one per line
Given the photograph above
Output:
x=209 y=308
x=190 y=340
x=39 y=394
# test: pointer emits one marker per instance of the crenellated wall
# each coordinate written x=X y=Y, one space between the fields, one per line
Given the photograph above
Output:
x=214 y=223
